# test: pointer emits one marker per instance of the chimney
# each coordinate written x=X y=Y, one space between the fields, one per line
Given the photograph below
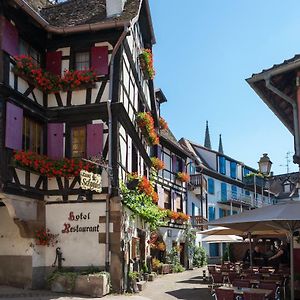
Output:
x=114 y=8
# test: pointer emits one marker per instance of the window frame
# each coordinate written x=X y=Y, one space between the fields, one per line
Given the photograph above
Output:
x=29 y=49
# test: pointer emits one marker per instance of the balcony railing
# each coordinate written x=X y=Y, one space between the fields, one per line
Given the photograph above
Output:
x=234 y=198
x=197 y=221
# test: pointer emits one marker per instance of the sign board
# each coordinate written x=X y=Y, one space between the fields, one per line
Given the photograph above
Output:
x=90 y=181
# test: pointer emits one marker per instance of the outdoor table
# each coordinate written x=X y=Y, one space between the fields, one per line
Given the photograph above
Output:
x=257 y=282
x=240 y=291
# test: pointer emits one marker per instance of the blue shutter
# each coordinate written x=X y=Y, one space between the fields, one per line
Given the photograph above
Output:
x=223 y=191
x=234 y=212
x=234 y=192
x=247 y=193
x=228 y=213
x=192 y=169
x=214 y=250
x=246 y=172
x=222 y=165
x=233 y=169
x=221 y=215
x=193 y=209
x=211 y=186
x=211 y=213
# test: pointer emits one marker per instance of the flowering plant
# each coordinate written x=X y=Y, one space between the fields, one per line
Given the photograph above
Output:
x=183 y=177
x=45 y=81
x=44 y=237
x=49 y=167
x=173 y=215
x=144 y=186
x=163 y=123
x=48 y=82
x=146 y=62
x=74 y=79
x=157 y=164
x=146 y=123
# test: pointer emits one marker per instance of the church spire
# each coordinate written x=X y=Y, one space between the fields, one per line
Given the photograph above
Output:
x=207 y=143
x=221 y=145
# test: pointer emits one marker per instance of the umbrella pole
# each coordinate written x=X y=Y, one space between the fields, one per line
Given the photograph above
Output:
x=250 y=248
x=292 y=264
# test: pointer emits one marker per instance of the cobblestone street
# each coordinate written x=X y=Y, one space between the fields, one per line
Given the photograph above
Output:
x=187 y=285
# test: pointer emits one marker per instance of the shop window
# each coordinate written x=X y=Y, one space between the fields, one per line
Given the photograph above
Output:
x=32 y=136
x=26 y=49
x=78 y=141
x=82 y=60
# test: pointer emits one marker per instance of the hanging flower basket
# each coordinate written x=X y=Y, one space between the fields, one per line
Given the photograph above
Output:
x=146 y=64
x=163 y=124
x=183 y=177
x=157 y=164
x=43 y=237
x=146 y=124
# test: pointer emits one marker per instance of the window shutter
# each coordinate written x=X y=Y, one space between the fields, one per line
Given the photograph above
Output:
x=94 y=139
x=158 y=151
x=211 y=213
x=174 y=164
x=221 y=214
x=223 y=191
x=234 y=192
x=211 y=186
x=10 y=38
x=234 y=212
x=14 y=126
x=55 y=140
x=222 y=165
x=53 y=62
x=233 y=169
x=99 y=60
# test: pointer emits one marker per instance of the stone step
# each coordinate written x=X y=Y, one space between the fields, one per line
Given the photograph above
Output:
x=141 y=285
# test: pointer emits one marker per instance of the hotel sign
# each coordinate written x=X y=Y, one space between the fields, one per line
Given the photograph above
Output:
x=90 y=181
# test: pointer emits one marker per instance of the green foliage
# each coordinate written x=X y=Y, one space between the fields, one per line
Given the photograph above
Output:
x=227 y=256
x=145 y=268
x=173 y=258
x=133 y=275
x=142 y=205
x=199 y=256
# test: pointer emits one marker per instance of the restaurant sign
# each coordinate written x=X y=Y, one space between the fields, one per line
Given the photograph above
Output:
x=90 y=181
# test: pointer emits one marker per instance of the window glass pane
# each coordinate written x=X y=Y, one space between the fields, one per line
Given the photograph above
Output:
x=82 y=60
x=26 y=49
x=78 y=141
x=32 y=136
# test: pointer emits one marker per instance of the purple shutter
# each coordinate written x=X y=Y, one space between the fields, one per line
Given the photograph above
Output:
x=14 y=127
x=94 y=139
x=10 y=38
x=174 y=163
x=158 y=151
x=53 y=62
x=99 y=60
x=55 y=140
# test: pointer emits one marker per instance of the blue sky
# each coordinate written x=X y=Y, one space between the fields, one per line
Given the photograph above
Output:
x=205 y=50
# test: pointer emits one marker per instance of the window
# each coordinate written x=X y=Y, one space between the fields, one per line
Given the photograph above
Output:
x=211 y=186
x=167 y=162
x=214 y=250
x=247 y=193
x=192 y=169
x=26 y=49
x=233 y=169
x=78 y=141
x=82 y=60
x=32 y=136
x=178 y=203
x=167 y=200
x=246 y=171
x=222 y=165
x=193 y=209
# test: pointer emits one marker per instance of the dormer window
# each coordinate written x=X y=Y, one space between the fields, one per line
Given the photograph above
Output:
x=82 y=61
x=28 y=50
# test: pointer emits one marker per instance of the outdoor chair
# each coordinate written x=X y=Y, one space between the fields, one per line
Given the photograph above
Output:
x=232 y=276
x=217 y=281
x=224 y=294
x=211 y=269
x=241 y=283
x=271 y=286
x=253 y=296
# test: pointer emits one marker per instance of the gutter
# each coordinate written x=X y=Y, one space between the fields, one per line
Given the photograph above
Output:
x=69 y=29
x=110 y=138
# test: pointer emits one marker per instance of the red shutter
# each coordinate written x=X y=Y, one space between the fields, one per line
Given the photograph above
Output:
x=10 y=38
x=55 y=140
x=99 y=60
x=14 y=127
x=53 y=62
x=94 y=139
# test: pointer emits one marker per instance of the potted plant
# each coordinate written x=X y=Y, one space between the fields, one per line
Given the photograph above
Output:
x=133 y=276
x=146 y=124
x=157 y=164
x=146 y=63
x=183 y=177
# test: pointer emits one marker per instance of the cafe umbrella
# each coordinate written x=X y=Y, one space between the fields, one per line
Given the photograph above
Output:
x=283 y=217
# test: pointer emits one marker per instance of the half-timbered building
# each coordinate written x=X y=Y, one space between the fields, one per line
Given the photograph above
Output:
x=87 y=114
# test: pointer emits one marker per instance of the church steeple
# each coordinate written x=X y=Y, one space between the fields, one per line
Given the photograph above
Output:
x=220 y=145
x=207 y=143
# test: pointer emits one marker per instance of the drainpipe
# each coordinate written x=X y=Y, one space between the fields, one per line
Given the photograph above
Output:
x=110 y=170
x=295 y=109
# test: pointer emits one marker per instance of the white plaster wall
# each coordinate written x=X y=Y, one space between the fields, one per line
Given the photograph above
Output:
x=177 y=235
x=11 y=243
x=193 y=199
x=79 y=248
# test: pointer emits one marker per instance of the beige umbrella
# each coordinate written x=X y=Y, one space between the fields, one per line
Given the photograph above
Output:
x=283 y=217
x=222 y=238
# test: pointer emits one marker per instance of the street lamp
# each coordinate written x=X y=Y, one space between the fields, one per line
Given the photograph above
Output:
x=265 y=164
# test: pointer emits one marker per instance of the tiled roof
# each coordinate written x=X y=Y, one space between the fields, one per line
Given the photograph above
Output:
x=169 y=136
x=79 y=12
